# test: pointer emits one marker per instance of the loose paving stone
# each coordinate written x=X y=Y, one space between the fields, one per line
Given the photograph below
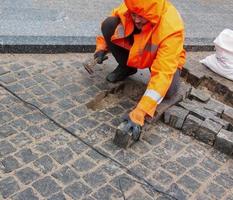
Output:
x=62 y=155
x=77 y=190
x=215 y=106
x=215 y=191
x=26 y=155
x=175 y=116
x=189 y=183
x=191 y=125
x=225 y=124
x=199 y=95
x=45 y=164
x=107 y=192
x=6 y=148
x=46 y=186
x=8 y=187
x=27 y=175
x=9 y=164
x=26 y=194
x=66 y=175
x=83 y=164
x=224 y=141
x=58 y=196
x=228 y=114
x=208 y=131
x=95 y=179
x=225 y=180
x=152 y=139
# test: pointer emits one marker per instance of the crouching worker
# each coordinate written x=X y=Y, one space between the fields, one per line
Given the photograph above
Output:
x=144 y=34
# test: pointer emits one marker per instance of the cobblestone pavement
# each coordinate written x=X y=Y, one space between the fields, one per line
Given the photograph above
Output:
x=39 y=160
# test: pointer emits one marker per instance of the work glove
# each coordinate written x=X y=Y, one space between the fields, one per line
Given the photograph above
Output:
x=100 y=56
x=128 y=126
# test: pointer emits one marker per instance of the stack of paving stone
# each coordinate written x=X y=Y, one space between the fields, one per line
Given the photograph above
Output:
x=204 y=118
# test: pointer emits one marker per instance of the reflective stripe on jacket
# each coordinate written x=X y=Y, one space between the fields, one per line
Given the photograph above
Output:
x=159 y=45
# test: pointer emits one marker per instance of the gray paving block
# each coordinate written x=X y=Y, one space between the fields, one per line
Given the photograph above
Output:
x=175 y=116
x=228 y=114
x=200 y=95
x=208 y=131
x=224 y=141
x=215 y=106
x=191 y=125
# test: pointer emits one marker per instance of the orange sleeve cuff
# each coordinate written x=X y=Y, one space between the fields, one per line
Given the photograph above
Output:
x=137 y=116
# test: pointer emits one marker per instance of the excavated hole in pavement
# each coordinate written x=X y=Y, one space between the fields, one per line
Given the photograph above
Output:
x=131 y=90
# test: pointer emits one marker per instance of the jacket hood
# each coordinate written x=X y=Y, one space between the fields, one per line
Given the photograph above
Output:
x=151 y=10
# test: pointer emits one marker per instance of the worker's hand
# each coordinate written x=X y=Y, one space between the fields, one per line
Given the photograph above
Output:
x=128 y=126
x=100 y=56
x=137 y=116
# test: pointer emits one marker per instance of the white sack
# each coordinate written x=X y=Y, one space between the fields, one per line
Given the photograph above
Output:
x=222 y=61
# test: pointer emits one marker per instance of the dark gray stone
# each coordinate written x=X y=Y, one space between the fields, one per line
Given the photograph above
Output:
x=140 y=170
x=35 y=117
x=187 y=159
x=27 y=194
x=175 y=116
x=7 y=79
x=177 y=192
x=77 y=190
x=45 y=164
x=5 y=117
x=92 y=91
x=215 y=106
x=189 y=183
x=199 y=173
x=66 y=104
x=88 y=123
x=16 y=67
x=26 y=155
x=95 y=179
x=58 y=196
x=224 y=142
x=208 y=131
x=19 y=110
x=228 y=114
x=27 y=175
x=225 y=180
x=96 y=156
x=62 y=155
x=73 y=89
x=65 y=118
x=101 y=116
x=151 y=162
x=215 y=191
x=8 y=187
x=78 y=146
x=83 y=98
x=66 y=175
x=123 y=181
x=107 y=193
x=16 y=87
x=19 y=124
x=35 y=131
x=47 y=99
x=199 y=95
x=174 y=168
x=115 y=110
x=45 y=147
x=80 y=111
x=60 y=93
x=6 y=131
x=210 y=165
x=126 y=157
x=38 y=91
x=50 y=126
x=191 y=125
x=6 y=148
x=162 y=177
x=152 y=139
x=9 y=164
x=27 y=83
x=49 y=86
x=46 y=186
x=59 y=139
x=83 y=164
x=225 y=124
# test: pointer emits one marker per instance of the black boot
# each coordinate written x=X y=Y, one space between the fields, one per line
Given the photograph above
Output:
x=120 y=73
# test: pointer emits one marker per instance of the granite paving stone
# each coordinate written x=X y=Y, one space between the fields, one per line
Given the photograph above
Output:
x=39 y=160
x=224 y=141
x=26 y=194
x=8 y=187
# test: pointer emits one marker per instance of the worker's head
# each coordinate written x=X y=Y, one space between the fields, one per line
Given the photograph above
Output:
x=139 y=21
x=150 y=10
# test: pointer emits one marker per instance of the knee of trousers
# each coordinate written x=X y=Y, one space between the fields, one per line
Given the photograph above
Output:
x=108 y=26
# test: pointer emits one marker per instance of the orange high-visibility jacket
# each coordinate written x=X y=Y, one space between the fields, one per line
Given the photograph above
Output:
x=159 y=45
